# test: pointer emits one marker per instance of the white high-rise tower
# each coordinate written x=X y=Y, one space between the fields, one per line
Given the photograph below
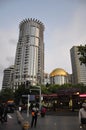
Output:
x=29 y=59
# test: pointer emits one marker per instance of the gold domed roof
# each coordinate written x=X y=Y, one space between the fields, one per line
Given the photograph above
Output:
x=58 y=72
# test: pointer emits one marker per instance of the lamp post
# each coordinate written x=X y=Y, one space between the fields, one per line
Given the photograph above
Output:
x=28 y=104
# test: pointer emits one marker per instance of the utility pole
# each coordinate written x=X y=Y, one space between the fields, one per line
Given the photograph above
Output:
x=28 y=104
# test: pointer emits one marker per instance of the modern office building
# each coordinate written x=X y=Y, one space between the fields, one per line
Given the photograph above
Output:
x=8 y=77
x=29 y=59
x=58 y=76
x=78 y=70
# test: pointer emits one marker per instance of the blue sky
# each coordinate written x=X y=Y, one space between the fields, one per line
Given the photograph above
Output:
x=65 y=26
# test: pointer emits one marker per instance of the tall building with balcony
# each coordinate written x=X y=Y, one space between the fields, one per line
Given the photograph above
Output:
x=78 y=70
x=8 y=77
x=29 y=59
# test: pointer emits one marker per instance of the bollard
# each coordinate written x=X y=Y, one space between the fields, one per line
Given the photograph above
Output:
x=19 y=117
x=25 y=124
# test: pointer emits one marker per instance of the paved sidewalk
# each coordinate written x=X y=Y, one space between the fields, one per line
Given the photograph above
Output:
x=62 y=113
x=51 y=122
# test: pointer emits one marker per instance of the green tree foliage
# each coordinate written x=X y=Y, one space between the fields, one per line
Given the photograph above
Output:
x=82 y=53
x=19 y=92
x=6 y=94
x=53 y=88
x=45 y=90
x=56 y=88
x=81 y=87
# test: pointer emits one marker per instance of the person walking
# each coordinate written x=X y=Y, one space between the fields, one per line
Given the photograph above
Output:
x=43 y=111
x=82 y=115
x=20 y=109
x=34 y=113
x=1 y=112
x=5 y=112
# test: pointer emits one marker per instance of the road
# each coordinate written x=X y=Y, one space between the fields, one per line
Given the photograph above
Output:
x=11 y=124
x=48 y=122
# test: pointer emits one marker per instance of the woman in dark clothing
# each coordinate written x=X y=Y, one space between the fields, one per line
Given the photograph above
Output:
x=5 y=112
x=34 y=113
x=1 y=112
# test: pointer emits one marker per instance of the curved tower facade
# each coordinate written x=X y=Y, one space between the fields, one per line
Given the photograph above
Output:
x=29 y=60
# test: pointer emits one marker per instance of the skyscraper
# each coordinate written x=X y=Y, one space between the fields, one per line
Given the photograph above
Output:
x=78 y=70
x=8 y=77
x=29 y=59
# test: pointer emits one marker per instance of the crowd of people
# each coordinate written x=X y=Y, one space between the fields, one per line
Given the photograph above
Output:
x=3 y=112
x=35 y=112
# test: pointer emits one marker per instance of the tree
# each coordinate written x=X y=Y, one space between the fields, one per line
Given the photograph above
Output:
x=19 y=92
x=82 y=53
x=6 y=94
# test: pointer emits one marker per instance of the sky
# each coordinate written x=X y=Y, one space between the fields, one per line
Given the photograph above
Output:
x=65 y=27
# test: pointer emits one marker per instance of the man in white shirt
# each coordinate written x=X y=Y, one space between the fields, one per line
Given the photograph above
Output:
x=20 y=109
x=82 y=115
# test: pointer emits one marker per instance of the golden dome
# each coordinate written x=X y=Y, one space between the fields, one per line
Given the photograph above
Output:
x=58 y=72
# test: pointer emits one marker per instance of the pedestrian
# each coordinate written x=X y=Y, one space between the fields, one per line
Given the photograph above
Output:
x=82 y=115
x=34 y=113
x=5 y=112
x=43 y=111
x=20 y=109
x=1 y=112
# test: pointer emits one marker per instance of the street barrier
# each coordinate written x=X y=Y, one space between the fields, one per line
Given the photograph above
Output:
x=24 y=123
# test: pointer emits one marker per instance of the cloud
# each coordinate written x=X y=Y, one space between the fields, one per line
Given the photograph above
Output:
x=10 y=60
x=62 y=39
x=13 y=41
x=8 y=45
x=7 y=38
x=1 y=69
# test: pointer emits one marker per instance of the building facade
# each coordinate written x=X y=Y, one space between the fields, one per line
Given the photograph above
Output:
x=29 y=59
x=46 y=79
x=78 y=70
x=8 y=77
